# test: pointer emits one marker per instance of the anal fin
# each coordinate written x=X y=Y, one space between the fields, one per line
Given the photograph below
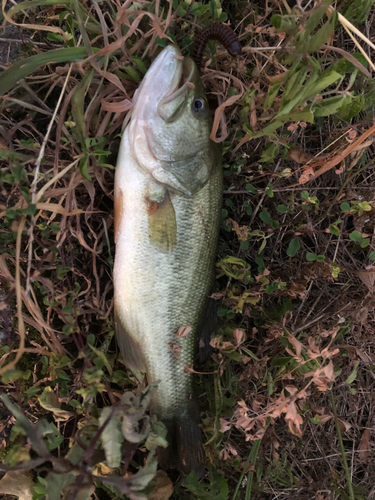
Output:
x=130 y=349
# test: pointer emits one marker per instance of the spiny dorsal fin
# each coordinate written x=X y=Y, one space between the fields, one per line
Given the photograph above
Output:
x=162 y=224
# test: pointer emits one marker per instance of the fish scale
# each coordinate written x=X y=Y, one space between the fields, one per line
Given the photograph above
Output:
x=164 y=264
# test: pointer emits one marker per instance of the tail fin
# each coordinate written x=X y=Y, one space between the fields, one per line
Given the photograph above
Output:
x=185 y=449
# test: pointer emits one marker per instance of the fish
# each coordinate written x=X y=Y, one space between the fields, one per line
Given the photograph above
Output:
x=167 y=210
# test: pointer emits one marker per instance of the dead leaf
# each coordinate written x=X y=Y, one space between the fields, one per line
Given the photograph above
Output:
x=307 y=173
x=224 y=455
x=362 y=355
x=50 y=401
x=163 y=488
x=239 y=336
x=297 y=347
x=189 y=368
x=327 y=333
x=249 y=468
x=117 y=107
x=175 y=348
x=300 y=156
x=219 y=295
x=364 y=445
x=17 y=483
x=291 y=389
x=183 y=331
x=323 y=418
x=362 y=315
x=344 y=426
x=217 y=119
x=322 y=376
x=224 y=425
x=341 y=156
x=294 y=419
x=241 y=231
x=340 y=170
x=292 y=127
x=367 y=277
x=232 y=450
x=245 y=422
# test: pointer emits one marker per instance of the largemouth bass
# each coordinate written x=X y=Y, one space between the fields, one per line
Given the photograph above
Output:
x=168 y=191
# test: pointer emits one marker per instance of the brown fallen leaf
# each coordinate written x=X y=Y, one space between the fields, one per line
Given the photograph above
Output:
x=183 y=331
x=367 y=277
x=294 y=419
x=362 y=315
x=239 y=336
x=17 y=483
x=362 y=355
x=323 y=418
x=300 y=156
x=308 y=174
x=224 y=425
x=163 y=488
x=322 y=376
x=344 y=426
x=241 y=231
x=364 y=445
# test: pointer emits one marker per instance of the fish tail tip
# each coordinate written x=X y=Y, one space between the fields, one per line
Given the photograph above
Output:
x=190 y=454
x=185 y=448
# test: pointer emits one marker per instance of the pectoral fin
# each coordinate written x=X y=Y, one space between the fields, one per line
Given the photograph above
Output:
x=162 y=224
x=130 y=349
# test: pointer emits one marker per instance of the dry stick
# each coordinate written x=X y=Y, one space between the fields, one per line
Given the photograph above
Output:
x=350 y=29
x=351 y=26
x=359 y=47
x=21 y=324
x=340 y=157
x=36 y=179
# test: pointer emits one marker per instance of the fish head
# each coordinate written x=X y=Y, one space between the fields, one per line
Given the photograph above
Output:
x=169 y=133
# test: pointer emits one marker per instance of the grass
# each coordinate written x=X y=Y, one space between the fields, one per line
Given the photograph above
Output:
x=287 y=409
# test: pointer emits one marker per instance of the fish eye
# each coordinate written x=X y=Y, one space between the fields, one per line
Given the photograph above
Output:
x=198 y=105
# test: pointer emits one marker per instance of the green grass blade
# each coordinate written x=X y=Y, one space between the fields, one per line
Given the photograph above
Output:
x=25 y=67
x=251 y=459
x=35 y=3
x=342 y=449
x=254 y=455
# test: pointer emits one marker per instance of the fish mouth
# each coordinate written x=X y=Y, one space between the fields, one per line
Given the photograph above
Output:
x=159 y=100
x=173 y=101
x=164 y=86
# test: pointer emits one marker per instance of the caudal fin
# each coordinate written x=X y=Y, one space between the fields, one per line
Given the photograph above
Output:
x=185 y=449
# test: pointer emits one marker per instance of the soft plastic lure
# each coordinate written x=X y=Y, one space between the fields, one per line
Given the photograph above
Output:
x=222 y=34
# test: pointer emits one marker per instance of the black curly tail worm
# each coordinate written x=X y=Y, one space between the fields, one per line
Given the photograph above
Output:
x=222 y=34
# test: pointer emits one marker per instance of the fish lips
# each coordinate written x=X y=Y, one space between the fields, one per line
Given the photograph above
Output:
x=172 y=104
x=161 y=80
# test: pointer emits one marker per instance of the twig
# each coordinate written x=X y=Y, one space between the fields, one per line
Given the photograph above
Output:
x=36 y=179
x=21 y=324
